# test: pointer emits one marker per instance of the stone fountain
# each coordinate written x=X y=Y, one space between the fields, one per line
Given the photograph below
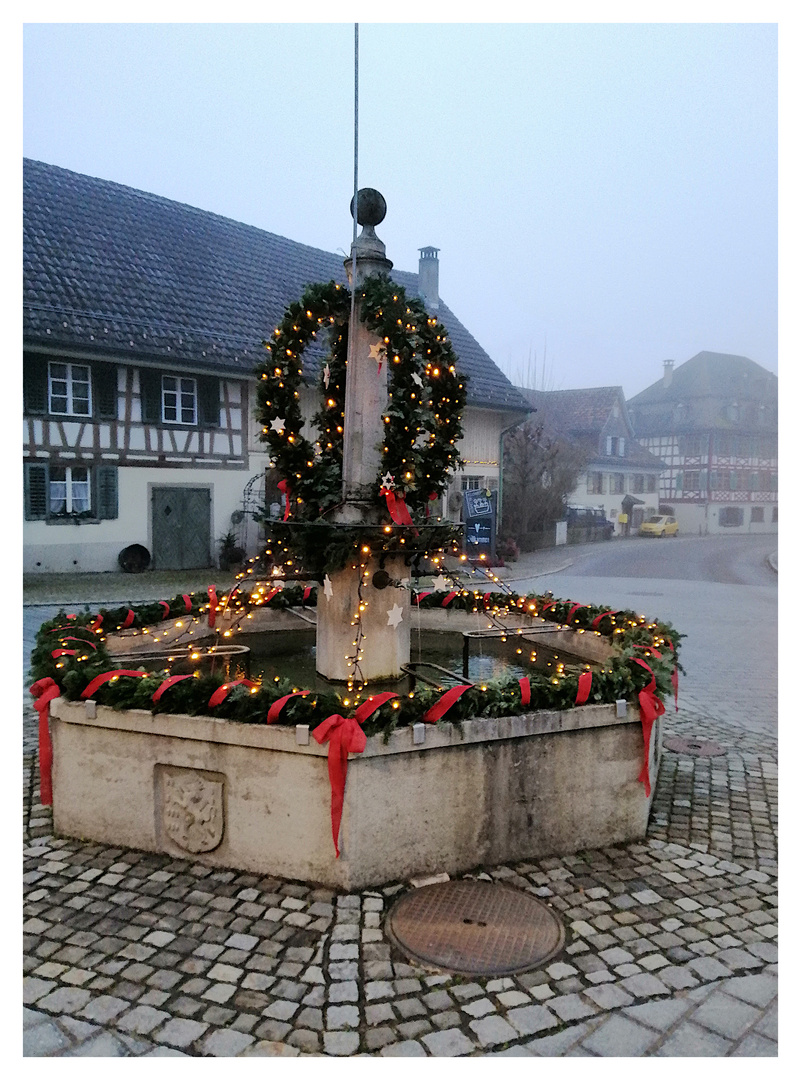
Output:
x=427 y=798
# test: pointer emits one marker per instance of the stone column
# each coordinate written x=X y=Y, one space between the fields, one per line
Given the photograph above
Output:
x=385 y=618
x=366 y=384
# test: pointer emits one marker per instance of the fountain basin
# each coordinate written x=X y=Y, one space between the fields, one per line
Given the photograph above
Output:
x=428 y=799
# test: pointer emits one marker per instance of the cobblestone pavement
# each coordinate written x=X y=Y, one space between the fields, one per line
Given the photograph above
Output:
x=671 y=943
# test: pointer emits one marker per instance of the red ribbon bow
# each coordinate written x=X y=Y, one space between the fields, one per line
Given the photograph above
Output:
x=525 y=691
x=275 y=709
x=107 y=676
x=368 y=707
x=283 y=486
x=221 y=693
x=129 y=618
x=212 y=606
x=43 y=691
x=396 y=504
x=173 y=679
x=441 y=707
x=344 y=736
x=166 y=607
x=650 y=708
x=596 y=621
x=584 y=686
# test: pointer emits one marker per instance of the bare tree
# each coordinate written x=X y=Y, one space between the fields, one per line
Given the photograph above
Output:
x=540 y=472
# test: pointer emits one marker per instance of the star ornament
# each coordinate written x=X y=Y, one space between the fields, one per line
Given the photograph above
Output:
x=416 y=378
x=326 y=375
x=388 y=481
x=377 y=353
x=278 y=425
x=328 y=588
x=395 y=615
x=441 y=583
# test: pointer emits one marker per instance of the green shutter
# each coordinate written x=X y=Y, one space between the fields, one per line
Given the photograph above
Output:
x=104 y=379
x=208 y=390
x=150 y=387
x=35 y=482
x=107 y=500
x=34 y=383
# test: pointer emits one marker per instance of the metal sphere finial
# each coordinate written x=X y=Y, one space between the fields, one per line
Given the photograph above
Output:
x=372 y=207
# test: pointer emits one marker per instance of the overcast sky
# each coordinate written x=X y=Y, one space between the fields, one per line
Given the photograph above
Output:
x=604 y=196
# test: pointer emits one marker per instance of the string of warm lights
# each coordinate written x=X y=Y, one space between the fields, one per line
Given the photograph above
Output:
x=64 y=652
x=426 y=396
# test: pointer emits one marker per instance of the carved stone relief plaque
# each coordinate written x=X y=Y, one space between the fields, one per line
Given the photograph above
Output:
x=191 y=807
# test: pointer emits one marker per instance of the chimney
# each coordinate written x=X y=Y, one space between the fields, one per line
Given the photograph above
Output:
x=667 y=378
x=428 y=277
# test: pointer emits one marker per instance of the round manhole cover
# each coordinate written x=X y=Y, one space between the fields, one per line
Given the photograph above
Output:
x=475 y=928
x=694 y=747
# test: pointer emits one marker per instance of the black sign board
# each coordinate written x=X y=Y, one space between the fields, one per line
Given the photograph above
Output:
x=479 y=514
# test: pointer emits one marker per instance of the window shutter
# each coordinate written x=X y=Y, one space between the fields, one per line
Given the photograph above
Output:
x=35 y=492
x=34 y=384
x=208 y=388
x=107 y=499
x=104 y=377
x=150 y=389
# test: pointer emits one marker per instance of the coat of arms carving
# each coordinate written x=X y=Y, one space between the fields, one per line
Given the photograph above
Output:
x=192 y=809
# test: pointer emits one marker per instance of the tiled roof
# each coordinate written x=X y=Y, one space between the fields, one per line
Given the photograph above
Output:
x=122 y=273
x=581 y=416
x=699 y=393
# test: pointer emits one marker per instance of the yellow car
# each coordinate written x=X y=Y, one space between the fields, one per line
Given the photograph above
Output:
x=659 y=526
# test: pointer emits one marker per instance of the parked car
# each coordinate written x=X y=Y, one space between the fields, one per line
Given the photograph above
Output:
x=660 y=525
x=592 y=519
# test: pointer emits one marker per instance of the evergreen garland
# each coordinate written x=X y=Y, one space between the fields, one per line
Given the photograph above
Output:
x=426 y=397
x=633 y=636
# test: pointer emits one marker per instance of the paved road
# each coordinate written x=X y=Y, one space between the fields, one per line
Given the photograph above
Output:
x=671 y=943
x=719 y=592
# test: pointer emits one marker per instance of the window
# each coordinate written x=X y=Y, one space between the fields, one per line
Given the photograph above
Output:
x=638 y=483
x=178 y=400
x=471 y=483
x=70 y=492
x=757 y=514
x=69 y=389
x=651 y=484
x=692 y=480
x=731 y=515
x=617 y=483
x=774 y=517
x=595 y=483
x=690 y=445
x=615 y=446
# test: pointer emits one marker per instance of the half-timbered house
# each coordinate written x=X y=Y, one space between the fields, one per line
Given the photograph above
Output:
x=714 y=422
x=143 y=322
x=620 y=476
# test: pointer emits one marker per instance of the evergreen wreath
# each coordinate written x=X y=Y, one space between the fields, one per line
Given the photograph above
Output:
x=426 y=397
x=71 y=650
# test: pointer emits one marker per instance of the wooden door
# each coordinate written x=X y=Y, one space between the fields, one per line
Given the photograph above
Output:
x=181 y=518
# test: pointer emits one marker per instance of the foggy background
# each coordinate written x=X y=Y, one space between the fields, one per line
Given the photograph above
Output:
x=604 y=197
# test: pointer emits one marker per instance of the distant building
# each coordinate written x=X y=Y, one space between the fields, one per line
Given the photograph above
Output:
x=620 y=475
x=143 y=321
x=714 y=422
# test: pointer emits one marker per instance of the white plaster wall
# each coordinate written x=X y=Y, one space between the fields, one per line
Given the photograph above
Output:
x=94 y=546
